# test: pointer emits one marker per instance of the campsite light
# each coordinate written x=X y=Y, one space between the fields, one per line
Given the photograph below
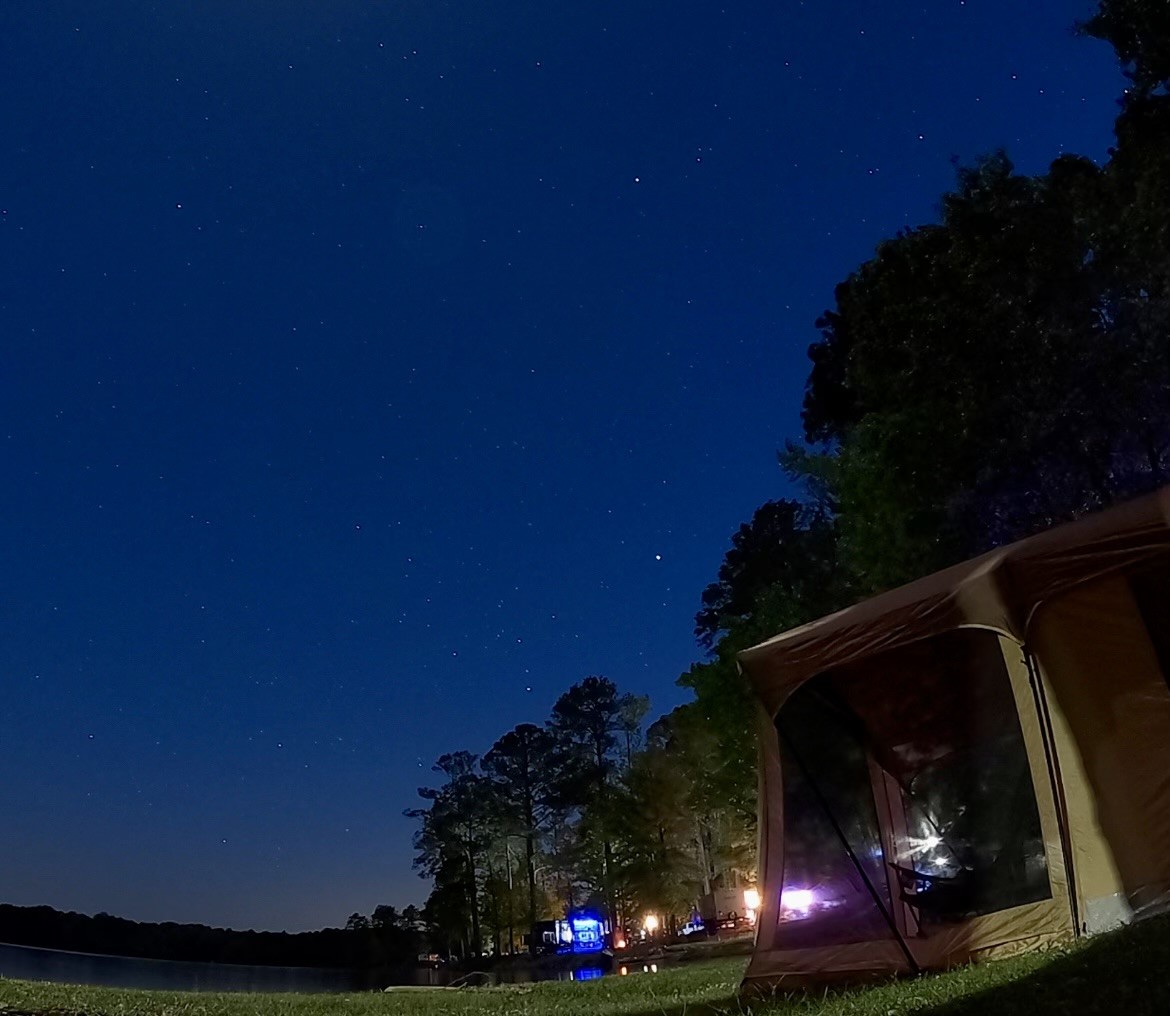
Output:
x=650 y=923
x=751 y=899
x=800 y=901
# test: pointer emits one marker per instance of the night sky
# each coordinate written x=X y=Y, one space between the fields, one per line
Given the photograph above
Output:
x=373 y=371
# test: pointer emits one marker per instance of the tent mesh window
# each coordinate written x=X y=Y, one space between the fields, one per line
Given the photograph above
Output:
x=927 y=735
x=834 y=887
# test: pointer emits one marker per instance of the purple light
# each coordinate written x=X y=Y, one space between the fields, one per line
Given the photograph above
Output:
x=799 y=901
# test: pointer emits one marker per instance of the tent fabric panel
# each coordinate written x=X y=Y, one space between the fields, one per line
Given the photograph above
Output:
x=994 y=935
x=1106 y=913
x=797 y=968
x=1094 y=873
x=1035 y=742
x=1000 y=591
x=775 y=669
x=1151 y=590
x=1107 y=683
x=770 y=832
x=1123 y=538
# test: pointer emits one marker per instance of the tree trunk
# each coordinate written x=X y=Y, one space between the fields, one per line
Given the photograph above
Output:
x=609 y=900
x=473 y=897
x=530 y=862
x=703 y=859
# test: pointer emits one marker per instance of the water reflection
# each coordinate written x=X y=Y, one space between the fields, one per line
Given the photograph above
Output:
x=647 y=968
x=33 y=964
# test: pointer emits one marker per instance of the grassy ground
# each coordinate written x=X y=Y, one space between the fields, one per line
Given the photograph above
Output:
x=1125 y=974
x=687 y=986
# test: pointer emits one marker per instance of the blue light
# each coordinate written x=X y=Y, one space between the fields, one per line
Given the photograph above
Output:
x=588 y=934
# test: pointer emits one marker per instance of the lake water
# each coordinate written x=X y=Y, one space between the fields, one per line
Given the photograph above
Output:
x=29 y=964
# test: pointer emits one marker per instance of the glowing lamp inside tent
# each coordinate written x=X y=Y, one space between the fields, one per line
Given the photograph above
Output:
x=798 y=902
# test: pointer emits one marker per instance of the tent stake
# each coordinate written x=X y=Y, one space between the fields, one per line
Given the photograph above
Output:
x=874 y=894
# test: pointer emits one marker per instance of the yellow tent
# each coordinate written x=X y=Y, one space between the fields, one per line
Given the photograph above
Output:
x=975 y=764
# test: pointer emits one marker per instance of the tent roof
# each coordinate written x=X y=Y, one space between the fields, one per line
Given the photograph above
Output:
x=1000 y=590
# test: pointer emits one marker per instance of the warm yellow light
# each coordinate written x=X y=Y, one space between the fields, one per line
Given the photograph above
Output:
x=751 y=899
x=650 y=923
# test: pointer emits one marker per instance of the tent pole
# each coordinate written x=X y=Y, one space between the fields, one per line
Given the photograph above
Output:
x=873 y=892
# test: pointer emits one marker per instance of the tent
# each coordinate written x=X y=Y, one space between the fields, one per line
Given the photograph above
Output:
x=972 y=765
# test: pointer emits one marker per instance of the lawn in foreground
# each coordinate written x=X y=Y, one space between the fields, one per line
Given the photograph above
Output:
x=687 y=985
x=1123 y=974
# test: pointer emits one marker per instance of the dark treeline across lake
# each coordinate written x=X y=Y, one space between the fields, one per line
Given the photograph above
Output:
x=32 y=964
x=366 y=948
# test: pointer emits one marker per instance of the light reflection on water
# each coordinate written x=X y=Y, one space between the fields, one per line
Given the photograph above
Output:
x=628 y=968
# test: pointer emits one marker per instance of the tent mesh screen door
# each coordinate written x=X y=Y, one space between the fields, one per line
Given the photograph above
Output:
x=931 y=731
x=834 y=888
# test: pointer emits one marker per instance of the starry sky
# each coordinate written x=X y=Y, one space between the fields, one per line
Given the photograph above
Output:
x=374 y=371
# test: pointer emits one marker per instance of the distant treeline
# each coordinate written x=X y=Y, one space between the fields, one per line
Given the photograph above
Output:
x=363 y=947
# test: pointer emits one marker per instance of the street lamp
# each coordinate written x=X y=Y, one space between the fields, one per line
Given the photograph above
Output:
x=751 y=903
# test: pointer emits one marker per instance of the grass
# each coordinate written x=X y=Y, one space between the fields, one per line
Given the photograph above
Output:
x=686 y=986
x=1123 y=974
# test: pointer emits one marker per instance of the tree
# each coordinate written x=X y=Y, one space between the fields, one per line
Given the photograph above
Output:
x=455 y=833
x=632 y=710
x=783 y=568
x=385 y=917
x=785 y=544
x=585 y=724
x=521 y=764
x=975 y=381
x=1139 y=31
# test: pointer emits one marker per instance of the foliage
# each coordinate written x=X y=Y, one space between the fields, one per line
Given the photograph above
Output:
x=787 y=556
x=521 y=765
x=588 y=724
x=989 y=376
x=1139 y=32
x=455 y=833
x=1008 y=367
